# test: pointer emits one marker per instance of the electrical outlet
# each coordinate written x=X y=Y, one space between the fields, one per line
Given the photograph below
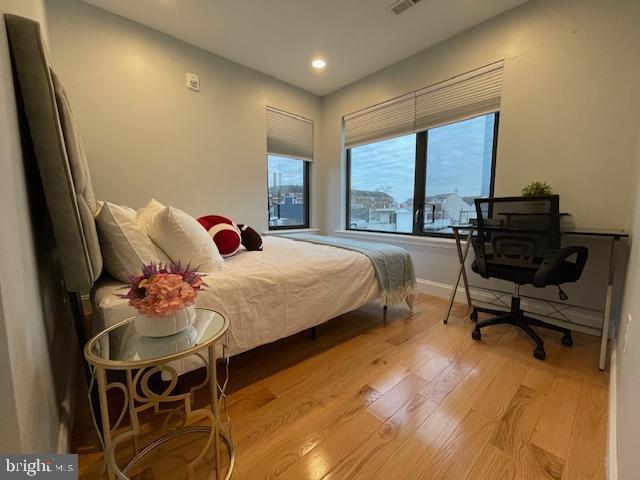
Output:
x=192 y=81
x=625 y=340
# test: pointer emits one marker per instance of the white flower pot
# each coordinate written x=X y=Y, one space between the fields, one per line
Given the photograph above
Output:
x=170 y=324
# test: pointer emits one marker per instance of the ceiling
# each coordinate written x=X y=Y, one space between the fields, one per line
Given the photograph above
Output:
x=281 y=37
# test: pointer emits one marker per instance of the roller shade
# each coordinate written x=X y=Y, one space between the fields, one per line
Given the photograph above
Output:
x=469 y=95
x=289 y=135
x=473 y=93
x=389 y=119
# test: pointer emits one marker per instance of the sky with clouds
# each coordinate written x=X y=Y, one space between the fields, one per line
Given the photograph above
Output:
x=289 y=171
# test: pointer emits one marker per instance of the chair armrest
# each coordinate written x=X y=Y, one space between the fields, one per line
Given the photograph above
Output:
x=555 y=258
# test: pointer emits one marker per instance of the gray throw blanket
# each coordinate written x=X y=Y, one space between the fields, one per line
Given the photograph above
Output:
x=392 y=265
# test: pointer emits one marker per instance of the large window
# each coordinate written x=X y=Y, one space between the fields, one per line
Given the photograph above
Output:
x=424 y=182
x=288 y=192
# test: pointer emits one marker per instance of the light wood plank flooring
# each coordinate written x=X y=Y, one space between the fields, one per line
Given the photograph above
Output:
x=414 y=399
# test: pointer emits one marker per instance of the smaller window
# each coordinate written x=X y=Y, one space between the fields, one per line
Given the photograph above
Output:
x=289 y=154
x=288 y=192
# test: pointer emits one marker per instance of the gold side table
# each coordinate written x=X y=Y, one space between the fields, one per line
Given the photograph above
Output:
x=121 y=348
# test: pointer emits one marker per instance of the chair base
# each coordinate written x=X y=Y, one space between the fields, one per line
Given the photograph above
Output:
x=517 y=318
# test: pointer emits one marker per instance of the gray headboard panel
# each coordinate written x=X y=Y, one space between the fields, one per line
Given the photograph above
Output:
x=60 y=157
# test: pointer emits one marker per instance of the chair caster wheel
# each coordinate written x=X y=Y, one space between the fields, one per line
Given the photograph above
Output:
x=539 y=353
x=476 y=335
x=567 y=341
x=474 y=316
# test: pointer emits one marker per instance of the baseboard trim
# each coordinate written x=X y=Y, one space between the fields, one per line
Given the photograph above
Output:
x=441 y=290
x=584 y=321
x=612 y=434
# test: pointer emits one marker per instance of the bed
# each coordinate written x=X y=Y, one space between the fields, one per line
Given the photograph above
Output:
x=290 y=286
x=267 y=295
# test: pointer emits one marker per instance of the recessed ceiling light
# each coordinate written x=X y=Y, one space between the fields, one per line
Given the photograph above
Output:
x=318 y=63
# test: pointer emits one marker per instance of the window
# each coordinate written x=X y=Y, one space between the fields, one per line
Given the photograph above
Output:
x=381 y=187
x=417 y=162
x=423 y=182
x=289 y=155
x=288 y=192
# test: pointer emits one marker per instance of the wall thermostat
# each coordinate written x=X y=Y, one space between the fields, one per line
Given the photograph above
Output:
x=192 y=81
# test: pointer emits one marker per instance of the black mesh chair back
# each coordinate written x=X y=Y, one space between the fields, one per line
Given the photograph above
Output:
x=516 y=231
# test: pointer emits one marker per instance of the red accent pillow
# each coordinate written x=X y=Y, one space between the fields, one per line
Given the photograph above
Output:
x=209 y=221
x=224 y=233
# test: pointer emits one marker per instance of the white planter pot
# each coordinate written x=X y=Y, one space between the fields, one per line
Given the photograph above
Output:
x=164 y=326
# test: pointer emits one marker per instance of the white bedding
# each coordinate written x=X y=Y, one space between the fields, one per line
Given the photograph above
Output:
x=288 y=287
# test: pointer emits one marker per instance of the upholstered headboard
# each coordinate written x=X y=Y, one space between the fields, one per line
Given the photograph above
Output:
x=59 y=154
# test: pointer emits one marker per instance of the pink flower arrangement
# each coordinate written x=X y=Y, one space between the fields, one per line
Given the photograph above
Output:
x=160 y=290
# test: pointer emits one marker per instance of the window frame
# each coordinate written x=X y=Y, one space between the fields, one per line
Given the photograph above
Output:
x=419 y=188
x=307 y=198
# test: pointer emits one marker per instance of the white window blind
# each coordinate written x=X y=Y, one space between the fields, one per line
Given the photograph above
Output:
x=465 y=96
x=289 y=135
x=389 y=119
x=473 y=93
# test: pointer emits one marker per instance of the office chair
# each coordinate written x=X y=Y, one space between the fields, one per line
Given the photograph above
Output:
x=519 y=241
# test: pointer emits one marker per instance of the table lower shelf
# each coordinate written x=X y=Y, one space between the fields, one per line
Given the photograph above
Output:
x=156 y=444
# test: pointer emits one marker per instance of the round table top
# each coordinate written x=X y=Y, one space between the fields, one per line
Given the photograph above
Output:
x=120 y=347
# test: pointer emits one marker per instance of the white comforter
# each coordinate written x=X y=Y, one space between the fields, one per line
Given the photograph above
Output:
x=288 y=287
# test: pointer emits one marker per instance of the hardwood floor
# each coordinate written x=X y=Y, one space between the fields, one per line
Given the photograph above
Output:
x=414 y=399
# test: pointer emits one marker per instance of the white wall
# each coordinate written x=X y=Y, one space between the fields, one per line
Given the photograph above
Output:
x=29 y=416
x=628 y=363
x=569 y=115
x=147 y=135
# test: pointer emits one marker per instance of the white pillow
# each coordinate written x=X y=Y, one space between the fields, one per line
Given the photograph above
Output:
x=126 y=247
x=146 y=214
x=184 y=240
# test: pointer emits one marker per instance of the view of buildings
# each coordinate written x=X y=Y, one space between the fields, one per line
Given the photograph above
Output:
x=378 y=211
x=286 y=205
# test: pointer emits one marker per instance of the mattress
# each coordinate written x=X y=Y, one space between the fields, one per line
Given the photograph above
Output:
x=288 y=287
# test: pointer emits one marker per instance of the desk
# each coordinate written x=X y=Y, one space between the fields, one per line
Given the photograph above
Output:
x=614 y=235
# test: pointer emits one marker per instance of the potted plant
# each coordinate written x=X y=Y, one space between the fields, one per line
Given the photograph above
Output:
x=163 y=297
x=536 y=188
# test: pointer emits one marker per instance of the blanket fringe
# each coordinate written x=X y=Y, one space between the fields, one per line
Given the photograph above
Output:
x=405 y=293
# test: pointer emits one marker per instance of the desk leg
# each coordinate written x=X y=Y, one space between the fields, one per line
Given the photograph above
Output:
x=215 y=407
x=101 y=376
x=462 y=257
x=607 y=305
